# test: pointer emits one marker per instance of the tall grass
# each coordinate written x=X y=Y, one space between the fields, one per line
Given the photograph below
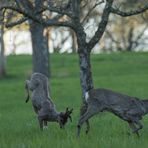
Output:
x=126 y=73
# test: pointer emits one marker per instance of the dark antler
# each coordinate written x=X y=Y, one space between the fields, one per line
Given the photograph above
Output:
x=68 y=112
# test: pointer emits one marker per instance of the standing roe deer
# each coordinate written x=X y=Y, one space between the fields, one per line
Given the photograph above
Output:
x=130 y=109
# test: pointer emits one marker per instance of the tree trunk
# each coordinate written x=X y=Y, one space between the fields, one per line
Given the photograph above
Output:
x=85 y=72
x=40 y=49
x=74 y=41
x=86 y=80
x=2 y=56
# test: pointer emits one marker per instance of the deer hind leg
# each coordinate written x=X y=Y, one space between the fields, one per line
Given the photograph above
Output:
x=139 y=126
x=135 y=128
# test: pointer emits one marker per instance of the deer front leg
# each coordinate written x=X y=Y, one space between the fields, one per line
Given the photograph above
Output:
x=40 y=122
x=87 y=127
x=45 y=124
x=84 y=118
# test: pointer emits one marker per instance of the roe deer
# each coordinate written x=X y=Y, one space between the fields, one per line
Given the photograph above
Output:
x=130 y=109
x=42 y=103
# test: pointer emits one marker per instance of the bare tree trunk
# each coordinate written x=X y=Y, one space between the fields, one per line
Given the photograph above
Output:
x=74 y=41
x=86 y=79
x=2 y=56
x=85 y=72
x=130 y=39
x=40 y=49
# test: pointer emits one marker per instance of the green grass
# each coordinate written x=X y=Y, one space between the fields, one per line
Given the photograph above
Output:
x=126 y=73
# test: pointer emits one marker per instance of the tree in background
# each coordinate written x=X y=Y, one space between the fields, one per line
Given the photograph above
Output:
x=2 y=47
x=72 y=10
x=127 y=34
x=2 y=54
x=40 y=56
x=128 y=37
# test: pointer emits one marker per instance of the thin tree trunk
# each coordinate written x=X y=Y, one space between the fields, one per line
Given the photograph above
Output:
x=2 y=56
x=85 y=72
x=40 y=49
x=74 y=41
x=86 y=79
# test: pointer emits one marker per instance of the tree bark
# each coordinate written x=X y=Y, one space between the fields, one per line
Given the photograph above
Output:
x=86 y=80
x=40 y=48
x=85 y=72
x=2 y=56
x=74 y=41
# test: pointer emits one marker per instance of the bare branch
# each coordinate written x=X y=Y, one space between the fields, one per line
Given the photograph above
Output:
x=60 y=10
x=2 y=15
x=102 y=25
x=34 y=17
x=90 y=11
x=17 y=3
x=111 y=37
x=22 y=20
x=53 y=22
x=139 y=37
x=18 y=10
x=85 y=4
x=130 y=13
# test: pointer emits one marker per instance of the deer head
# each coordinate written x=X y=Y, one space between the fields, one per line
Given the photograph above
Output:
x=64 y=117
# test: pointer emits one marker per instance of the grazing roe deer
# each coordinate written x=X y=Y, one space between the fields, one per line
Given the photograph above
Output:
x=42 y=103
x=130 y=109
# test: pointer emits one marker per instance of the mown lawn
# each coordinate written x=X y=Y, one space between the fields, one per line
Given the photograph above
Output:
x=126 y=73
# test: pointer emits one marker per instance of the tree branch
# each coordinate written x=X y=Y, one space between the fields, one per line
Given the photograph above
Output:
x=34 y=17
x=18 y=10
x=52 y=22
x=60 y=10
x=111 y=37
x=17 y=3
x=102 y=25
x=2 y=15
x=130 y=13
x=89 y=12
x=12 y=24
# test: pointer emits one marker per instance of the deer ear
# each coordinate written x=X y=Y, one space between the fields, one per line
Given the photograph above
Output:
x=67 y=109
x=70 y=111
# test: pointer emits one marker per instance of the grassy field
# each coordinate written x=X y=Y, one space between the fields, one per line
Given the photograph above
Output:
x=126 y=73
